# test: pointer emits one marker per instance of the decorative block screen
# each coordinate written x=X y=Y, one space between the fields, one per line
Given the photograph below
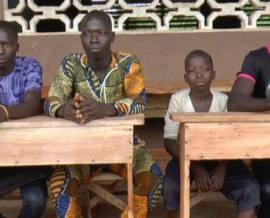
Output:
x=35 y=16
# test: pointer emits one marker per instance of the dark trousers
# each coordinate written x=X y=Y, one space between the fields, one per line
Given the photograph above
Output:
x=261 y=169
x=239 y=185
x=33 y=187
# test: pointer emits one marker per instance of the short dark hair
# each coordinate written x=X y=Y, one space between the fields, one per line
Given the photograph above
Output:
x=97 y=14
x=198 y=53
x=10 y=27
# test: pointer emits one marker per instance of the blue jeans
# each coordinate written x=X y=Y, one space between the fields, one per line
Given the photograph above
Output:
x=32 y=184
x=34 y=197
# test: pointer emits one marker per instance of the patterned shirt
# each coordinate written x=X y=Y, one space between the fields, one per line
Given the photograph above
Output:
x=181 y=102
x=123 y=84
x=27 y=75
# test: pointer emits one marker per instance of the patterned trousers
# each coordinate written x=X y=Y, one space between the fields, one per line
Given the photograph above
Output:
x=148 y=180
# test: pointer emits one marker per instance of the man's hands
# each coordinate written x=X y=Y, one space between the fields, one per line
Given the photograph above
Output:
x=82 y=110
x=212 y=181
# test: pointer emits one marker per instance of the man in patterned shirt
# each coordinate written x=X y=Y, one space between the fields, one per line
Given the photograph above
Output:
x=20 y=94
x=100 y=83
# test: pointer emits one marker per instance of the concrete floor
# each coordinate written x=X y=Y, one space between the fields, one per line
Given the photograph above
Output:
x=212 y=207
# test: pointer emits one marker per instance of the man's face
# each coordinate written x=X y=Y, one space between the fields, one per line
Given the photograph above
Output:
x=8 y=48
x=96 y=36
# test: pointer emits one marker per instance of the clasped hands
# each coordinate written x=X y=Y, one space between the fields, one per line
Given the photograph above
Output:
x=82 y=110
x=206 y=181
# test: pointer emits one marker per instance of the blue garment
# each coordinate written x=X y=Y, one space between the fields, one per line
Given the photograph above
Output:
x=27 y=75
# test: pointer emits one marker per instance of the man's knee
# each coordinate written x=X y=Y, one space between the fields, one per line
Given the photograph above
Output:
x=35 y=194
x=265 y=192
x=252 y=188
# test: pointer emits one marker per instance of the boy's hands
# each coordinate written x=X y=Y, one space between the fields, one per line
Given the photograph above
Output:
x=202 y=178
x=212 y=181
x=217 y=176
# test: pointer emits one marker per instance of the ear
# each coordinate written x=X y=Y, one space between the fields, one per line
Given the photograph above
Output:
x=185 y=77
x=213 y=74
x=113 y=37
x=18 y=47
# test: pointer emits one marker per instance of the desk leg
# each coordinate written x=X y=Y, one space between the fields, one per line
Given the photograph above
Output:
x=184 y=177
x=185 y=189
x=130 y=190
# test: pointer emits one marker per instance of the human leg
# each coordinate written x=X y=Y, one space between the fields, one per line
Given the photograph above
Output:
x=148 y=183
x=171 y=188
x=34 y=197
x=241 y=186
x=63 y=188
x=15 y=177
x=261 y=169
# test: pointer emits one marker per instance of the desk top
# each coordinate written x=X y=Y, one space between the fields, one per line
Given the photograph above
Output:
x=45 y=121
x=206 y=117
x=42 y=140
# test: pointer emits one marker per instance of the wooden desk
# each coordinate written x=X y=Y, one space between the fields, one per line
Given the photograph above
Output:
x=42 y=140
x=208 y=136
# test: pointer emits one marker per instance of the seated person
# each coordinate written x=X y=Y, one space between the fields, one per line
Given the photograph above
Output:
x=232 y=178
x=20 y=94
x=105 y=84
x=251 y=93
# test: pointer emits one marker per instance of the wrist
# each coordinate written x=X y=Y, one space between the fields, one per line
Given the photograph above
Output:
x=5 y=111
x=59 y=112
x=111 y=110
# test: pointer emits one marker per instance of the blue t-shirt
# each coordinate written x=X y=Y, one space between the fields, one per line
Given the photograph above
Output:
x=27 y=75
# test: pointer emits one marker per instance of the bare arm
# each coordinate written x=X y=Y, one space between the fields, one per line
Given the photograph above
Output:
x=28 y=108
x=240 y=98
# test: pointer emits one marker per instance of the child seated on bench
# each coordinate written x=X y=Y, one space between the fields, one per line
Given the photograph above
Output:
x=232 y=178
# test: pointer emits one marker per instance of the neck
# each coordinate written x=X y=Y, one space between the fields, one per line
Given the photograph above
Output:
x=4 y=71
x=201 y=94
x=99 y=63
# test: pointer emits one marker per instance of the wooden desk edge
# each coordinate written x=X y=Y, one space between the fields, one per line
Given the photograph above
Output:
x=46 y=121
x=219 y=117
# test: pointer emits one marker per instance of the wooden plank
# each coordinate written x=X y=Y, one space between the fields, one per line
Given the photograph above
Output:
x=130 y=191
x=159 y=153
x=103 y=193
x=207 y=117
x=66 y=145
x=45 y=121
x=169 y=88
x=231 y=141
x=185 y=179
x=222 y=86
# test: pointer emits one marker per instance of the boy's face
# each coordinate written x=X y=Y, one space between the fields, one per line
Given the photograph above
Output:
x=96 y=36
x=199 y=72
x=8 y=49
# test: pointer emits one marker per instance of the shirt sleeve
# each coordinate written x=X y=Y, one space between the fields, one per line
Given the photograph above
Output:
x=171 y=129
x=61 y=87
x=33 y=76
x=250 y=67
x=135 y=97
